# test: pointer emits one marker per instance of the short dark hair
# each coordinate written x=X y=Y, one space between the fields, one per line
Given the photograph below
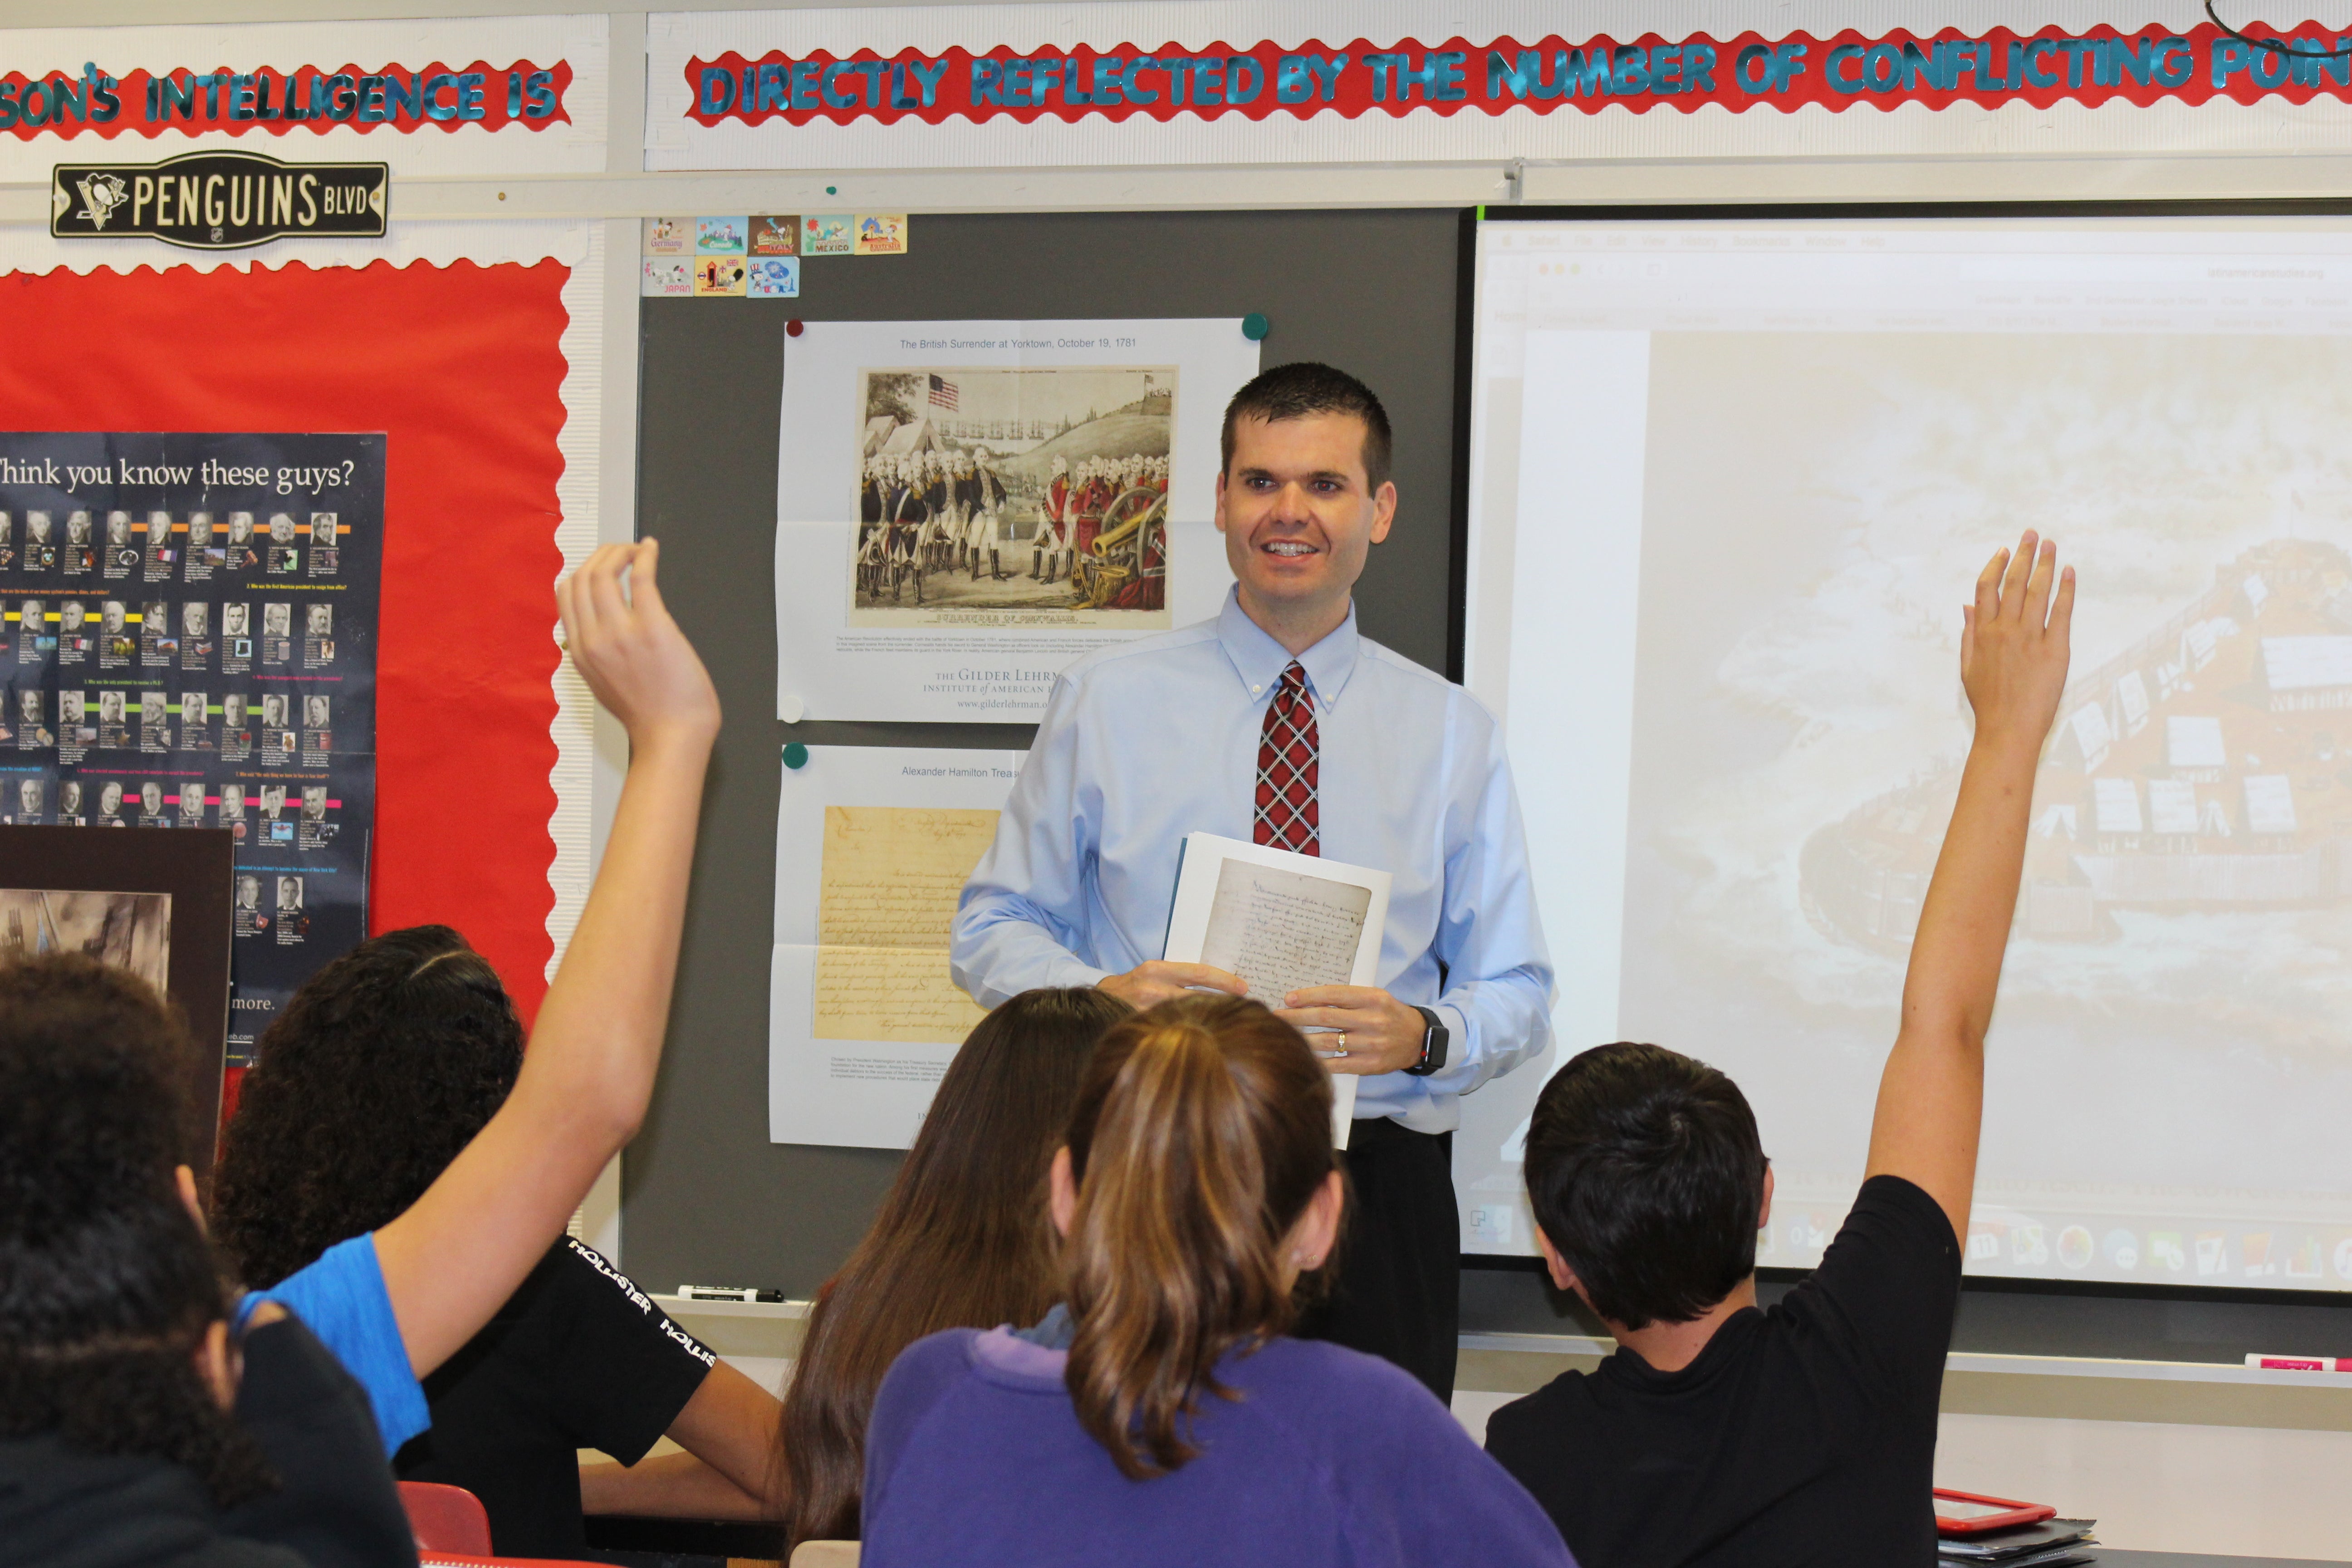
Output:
x=107 y=1286
x=1305 y=387
x=378 y=1072
x=1646 y=1172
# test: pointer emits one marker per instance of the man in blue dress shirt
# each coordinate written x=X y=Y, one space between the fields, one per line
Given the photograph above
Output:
x=1277 y=723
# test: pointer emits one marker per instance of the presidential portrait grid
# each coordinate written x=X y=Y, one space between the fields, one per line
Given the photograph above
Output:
x=177 y=657
x=1019 y=496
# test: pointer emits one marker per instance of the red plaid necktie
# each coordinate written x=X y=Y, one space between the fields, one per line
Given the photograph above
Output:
x=1286 y=814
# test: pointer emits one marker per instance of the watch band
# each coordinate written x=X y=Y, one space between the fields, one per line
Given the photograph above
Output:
x=1433 y=1041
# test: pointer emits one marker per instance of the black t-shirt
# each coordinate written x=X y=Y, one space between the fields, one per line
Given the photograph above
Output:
x=1805 y=1434
x=335 y=1505
x=577 y=1358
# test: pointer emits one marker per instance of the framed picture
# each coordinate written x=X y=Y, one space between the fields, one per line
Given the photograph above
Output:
x=157 y=904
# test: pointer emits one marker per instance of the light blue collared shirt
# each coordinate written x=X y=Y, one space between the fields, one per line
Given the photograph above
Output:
x=1145 y=742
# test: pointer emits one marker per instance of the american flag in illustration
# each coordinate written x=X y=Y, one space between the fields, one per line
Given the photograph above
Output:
x=943 y=393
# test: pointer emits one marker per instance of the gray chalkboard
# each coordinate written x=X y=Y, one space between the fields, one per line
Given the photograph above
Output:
x=706 y=1197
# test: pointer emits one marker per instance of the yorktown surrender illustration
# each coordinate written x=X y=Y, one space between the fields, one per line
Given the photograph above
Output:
x=1013 y=497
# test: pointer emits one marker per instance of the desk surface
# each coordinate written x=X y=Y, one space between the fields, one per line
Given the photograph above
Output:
x=2189 y=1560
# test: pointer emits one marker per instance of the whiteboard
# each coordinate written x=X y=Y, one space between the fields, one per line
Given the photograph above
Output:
x=1730 y=483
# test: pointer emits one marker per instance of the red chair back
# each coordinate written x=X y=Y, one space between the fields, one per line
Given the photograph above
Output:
x=447 y=1518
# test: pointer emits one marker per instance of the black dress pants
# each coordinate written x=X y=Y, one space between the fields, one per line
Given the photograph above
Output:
x=1397 y=1291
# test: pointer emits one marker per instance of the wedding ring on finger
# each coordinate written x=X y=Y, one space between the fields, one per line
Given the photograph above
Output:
x=1343 y=1042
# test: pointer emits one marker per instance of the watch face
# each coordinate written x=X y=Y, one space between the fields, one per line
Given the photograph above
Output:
x=1433 y=1041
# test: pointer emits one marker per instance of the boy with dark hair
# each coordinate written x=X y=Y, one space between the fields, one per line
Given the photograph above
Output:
x=132 y=1430
x=1718 y=1434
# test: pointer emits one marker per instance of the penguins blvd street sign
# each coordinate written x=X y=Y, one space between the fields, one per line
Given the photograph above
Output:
x=217 y=200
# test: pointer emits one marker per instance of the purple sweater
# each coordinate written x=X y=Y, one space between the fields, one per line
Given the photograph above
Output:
x=975 y=1456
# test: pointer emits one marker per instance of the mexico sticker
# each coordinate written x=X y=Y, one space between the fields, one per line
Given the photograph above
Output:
x=217 y=200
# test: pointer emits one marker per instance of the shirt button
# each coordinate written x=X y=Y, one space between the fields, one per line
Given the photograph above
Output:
x=1256 y=689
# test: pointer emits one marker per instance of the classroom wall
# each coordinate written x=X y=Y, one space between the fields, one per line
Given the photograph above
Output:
x=2254 y=1482
x=708 y=1198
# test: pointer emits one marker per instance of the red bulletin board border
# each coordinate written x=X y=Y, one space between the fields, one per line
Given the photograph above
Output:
x=460 y=367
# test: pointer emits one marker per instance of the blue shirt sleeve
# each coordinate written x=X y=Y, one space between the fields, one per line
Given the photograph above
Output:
x=1019 y=922
x=1499 y=977
x=341 y=1299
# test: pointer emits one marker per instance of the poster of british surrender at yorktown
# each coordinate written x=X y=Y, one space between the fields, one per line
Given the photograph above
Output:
x=964 y=508
x=1029 y=495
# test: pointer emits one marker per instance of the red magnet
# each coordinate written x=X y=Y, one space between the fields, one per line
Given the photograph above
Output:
x=793 y=327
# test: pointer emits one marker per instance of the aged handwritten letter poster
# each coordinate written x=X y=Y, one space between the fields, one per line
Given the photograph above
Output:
x=873 y=845
x=891 y=876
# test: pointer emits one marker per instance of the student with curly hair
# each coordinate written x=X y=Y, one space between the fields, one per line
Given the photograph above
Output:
x=375 y=1078
x=134 y=1428
x=396 y=1300
x=1163 y=1415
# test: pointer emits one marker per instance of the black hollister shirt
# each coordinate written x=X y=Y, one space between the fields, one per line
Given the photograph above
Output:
x=577 y=1358
x=1804 y=1434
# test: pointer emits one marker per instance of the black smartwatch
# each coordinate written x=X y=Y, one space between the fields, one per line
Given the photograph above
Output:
x=1433 y=1045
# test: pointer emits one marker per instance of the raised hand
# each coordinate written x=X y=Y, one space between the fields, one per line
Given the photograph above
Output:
x=633 y=654
x=460 y=1250
x=2014 y=653
x=2014 y=642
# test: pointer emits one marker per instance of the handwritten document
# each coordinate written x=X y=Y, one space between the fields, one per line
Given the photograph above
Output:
x=886 y=897
x=1281 y=922
x=892 y=873
x=1281 y=931
x=898 y=993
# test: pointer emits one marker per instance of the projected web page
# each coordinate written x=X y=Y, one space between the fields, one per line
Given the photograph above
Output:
x=1730 y=486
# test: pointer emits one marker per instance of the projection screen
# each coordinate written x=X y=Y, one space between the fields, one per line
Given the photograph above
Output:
x=1730 y=483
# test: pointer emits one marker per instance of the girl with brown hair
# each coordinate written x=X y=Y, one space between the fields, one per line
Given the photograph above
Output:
x=962 y=1240
x=1162 y=1415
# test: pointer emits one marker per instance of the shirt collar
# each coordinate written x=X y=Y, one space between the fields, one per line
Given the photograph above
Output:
x=1260 y=660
